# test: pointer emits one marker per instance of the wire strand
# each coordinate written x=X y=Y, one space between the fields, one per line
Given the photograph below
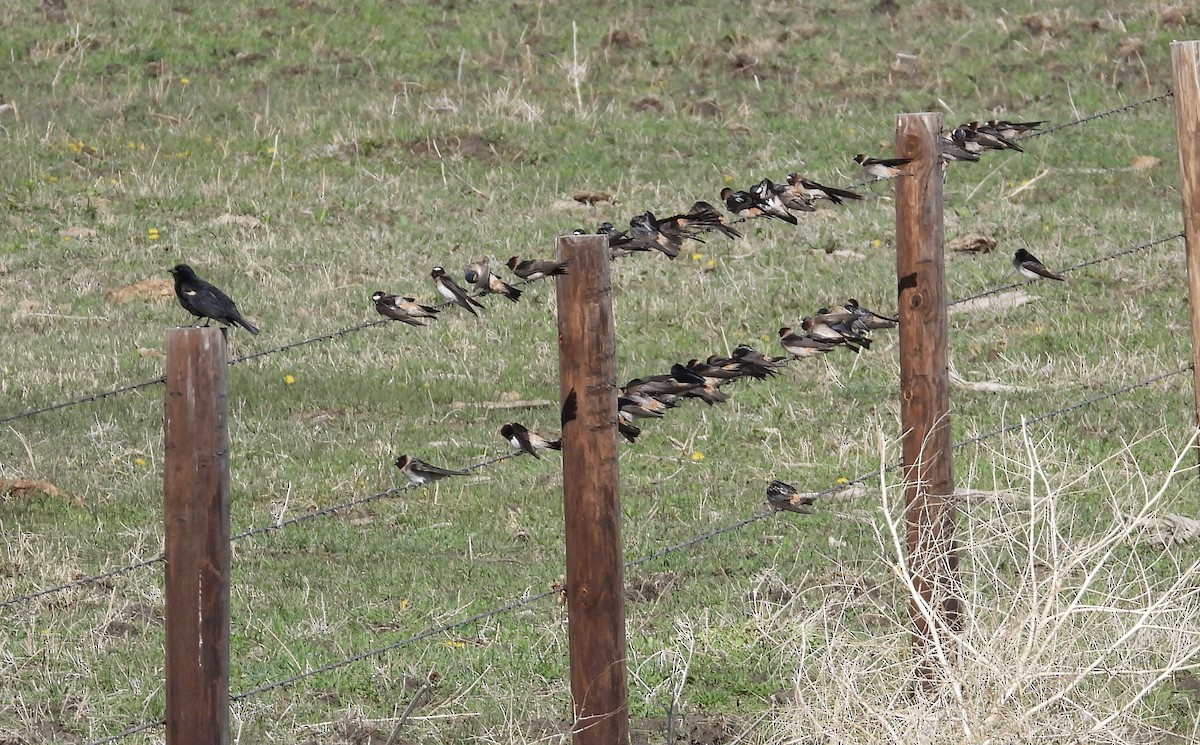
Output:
x=1067 y=270
x=249 y=533
x=1100 y=115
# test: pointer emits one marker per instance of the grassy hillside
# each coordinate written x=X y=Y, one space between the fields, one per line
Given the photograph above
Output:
x=303 y=155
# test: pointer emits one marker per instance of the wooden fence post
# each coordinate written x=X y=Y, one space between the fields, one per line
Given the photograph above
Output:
x=196 y=513
x=595 y=571
x=924 y=391
x=1185 y=73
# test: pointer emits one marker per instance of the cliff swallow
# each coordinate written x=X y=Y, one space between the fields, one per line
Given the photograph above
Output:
x=450 y=290
x=419 y=472
x=811 y=190
x=708 y=218
x=992 y=137
x=530 y=442
x=402 y=308
x=1029 y=267
x=1012 y=130
x=626 y=427
x=952 y=152
x=801 y=345
x=481 y=276
x=834 y=331
x=645 y=230
x=882 y=168
x=745 y=205
x=641 y=406
x=533 y=269
x=783 y=496
x=780 y=198
x=870 y=319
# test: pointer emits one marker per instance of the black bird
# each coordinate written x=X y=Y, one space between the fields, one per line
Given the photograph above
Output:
x=531 y=442
x=450 y=290
x=531 y=269
x=1029 y=267
x=419 y=472
x=203 y=300
x=403 y=309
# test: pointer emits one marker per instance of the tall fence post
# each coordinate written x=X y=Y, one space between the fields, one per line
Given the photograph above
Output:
x=1185 y=73
x=196 y=514
x=924 y=392
x=595 y=571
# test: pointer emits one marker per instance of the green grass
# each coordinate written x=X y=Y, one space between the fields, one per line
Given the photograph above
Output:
x=303 y=155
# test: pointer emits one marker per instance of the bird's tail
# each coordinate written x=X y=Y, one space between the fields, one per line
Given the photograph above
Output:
x=245 y=324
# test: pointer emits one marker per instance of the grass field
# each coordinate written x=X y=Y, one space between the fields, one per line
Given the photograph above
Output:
x=302 y=155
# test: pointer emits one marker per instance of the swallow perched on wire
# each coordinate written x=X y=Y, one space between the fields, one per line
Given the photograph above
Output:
x=646 y=230
x=811 y=190
x=402 y=308
x=203 y=300
x=481 y=276
x=450 y=290
x=533 y=269
x=802 y=345
x=707 y=218
x=882 y=168
x=780 y=197
x=747 y=206
x=1029 y=267
x=419 y=472
x=1013 y=130
x=783 y=496
x=531 y=442
x=626 y=427
x=870 y=320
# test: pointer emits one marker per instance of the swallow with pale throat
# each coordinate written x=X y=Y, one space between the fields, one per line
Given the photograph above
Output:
x=811 y=190
x=646 y=230
x=419 y=472
x=783 y=496
x=479 y=275
x=744 y=205
x=450 y=290
x=882 y=168
x=403 y=309
x=619 y=242
x=204 y=300
x=703 y=217
x=870 y=320
x=780 y=197
x=626 y=427
x=1013 y=130
x=834 y=331
x=802 y=345
x=534 y=269
x=531 y=442
x=1029 y=267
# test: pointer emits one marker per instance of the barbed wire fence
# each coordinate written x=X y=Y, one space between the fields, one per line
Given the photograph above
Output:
x=702 y=538
x=529 y=599
x=329 y=336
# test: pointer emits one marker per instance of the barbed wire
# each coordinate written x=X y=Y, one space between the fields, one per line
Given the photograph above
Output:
x=1073 y=407
x=667 y=550
x=432 y=631
x=1093 y=117
x=249 y=533
x=1069 y=269
x=131 y=731
x=80 y=582
x=83 y=399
